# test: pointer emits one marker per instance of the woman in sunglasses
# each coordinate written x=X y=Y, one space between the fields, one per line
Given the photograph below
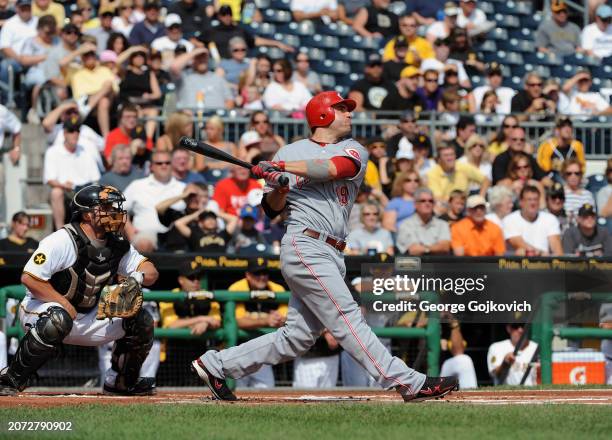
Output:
x=269 y=143
x=519 y=175
x=401 y=205
x=476 y=156
x=500 y=141
x=575 y=195
x=283 y=93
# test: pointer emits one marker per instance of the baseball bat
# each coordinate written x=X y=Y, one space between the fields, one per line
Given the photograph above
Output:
x=208 y=150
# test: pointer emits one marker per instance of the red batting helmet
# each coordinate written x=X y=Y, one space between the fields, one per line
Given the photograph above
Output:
x=319 y=111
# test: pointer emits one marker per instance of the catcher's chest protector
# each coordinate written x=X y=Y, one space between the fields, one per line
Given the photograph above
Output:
x=94 y=268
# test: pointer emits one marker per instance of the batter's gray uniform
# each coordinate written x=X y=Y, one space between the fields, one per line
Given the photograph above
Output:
x=314 y=272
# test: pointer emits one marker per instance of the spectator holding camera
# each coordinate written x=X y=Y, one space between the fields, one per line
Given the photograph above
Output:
x=531 y=99
x=582 y=101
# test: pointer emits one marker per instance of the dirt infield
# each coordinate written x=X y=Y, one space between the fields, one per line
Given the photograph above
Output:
x=488 y=397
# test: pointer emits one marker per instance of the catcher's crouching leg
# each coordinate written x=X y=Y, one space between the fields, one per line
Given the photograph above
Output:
x=41 y=343
x=129 y=353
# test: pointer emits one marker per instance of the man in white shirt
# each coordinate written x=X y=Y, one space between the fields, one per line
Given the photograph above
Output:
x=442 y=29
x=473 y=19
x=583 y=101
x=501 y=356
x=15 y=31
x=596 y=38
x=313 y=9
x=494 y=82
x=173 y=38
x=529 y=231
x=67 y=168
x=142 y=195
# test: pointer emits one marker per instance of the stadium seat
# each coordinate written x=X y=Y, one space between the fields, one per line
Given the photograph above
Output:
x=321 y=41
x=352 y=55
x=546 y=59
x=477 y=81
x=602 y=83
x=273 y=52
x=343 y=90
x=336 y=29
x=543 y=71
x=516 y=45
x=291 y=40
x=503 y=57
x=531 y=21
x=282 y=5
x=315 y=54
x=564 y=71
x=332 y=67
x=275 y=16
x=348 y=80
x=487 y=46
x=512 y=8
x=521 y=34
x=498 y=34
x=304 y=28
x=513 y=82
x=262 y=29
x=580 y=59
x=358 y=42
x=262 y=4
x=398 y=8
x=486 y=7
x=602 y=71
x=507 y=21
x=327 y=81
x=596 y=182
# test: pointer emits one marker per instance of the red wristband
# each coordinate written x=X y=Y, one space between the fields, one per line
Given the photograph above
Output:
x=281 y=165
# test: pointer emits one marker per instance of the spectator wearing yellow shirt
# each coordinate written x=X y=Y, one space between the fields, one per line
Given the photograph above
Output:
x=554 y=151
x=449 y=175
x=93 y=86
x=257 y=314
x=197 y=314
x=418 y=47
x=48 y=7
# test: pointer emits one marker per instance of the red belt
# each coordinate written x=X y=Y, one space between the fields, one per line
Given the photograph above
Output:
x=336 y=244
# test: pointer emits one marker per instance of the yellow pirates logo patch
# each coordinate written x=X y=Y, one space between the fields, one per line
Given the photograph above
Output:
x=40 y=258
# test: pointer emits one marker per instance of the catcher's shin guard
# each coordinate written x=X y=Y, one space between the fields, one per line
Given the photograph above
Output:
x=130 y=352
x=41 y=343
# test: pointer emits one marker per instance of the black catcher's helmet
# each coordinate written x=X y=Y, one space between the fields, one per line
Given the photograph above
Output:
x=110 y=216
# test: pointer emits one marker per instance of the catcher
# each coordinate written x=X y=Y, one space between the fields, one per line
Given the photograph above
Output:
x=69 y=300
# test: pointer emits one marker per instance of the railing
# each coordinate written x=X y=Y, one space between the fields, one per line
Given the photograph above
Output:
x=595 y=134
x=231 y=334
x=544 y=329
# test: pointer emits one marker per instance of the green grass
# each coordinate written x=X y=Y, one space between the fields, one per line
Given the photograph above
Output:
x=345 y=421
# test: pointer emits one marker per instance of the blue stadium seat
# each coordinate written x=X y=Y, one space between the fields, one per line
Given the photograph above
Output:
x=512 y=8
x=327 y=81
x=291 y=40
x=580 y=59
x=513 y=82
x=273 y=52
x=531 y=21
x=564 y=71
x=275 y=16
x=357 y=66
x=546 y=59
x=477 y=81
x=521 y=34
x=523 y=69
x=352 y=55
x=602 y=71
x=516 y=45
x=348 y=80
x=507 y=21
x=503 y=57
x=332 y=67
x=262 y=29
x=338 y=29
x=486 y=7
x=282 y=5
x=602 y=83
x=304 y=28
x=262 y=4
x=498 y=34
x=343 y=90
x=358 y=42
x=321 y=41
x=596 y=182
x=487 y=46
x=314 y=53
x=398 y=8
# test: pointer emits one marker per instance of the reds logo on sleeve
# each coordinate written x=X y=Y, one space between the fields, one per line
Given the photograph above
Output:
x=353 y=153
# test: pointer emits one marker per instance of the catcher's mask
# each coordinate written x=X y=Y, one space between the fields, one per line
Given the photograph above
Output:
x=106 y=205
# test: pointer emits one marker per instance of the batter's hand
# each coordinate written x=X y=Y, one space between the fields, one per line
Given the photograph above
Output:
x=265 y=166
x=272 y=180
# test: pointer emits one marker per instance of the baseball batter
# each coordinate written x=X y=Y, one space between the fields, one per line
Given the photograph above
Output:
x=63 y=280
x=325 y=173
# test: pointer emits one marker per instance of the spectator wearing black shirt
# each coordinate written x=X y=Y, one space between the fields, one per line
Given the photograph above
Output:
x=226 y=30
x=392 y=69
x=17 y=240
x=376 y=21
x=370 y=92
x=202 y=233
x=531 y=99
x=466 y=127
x=246 y=240
x=587 y=239
x=404 y=97
x=516 y=143
x=461 y=49
x=456 y=207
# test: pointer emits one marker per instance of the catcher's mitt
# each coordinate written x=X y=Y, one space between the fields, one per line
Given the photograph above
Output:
x=120 y=301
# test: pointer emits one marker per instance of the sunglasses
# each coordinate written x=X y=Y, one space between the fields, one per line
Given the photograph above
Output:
x=478 y=145
x=378 y=146
x=303 y=61
x=411 y=180
x=510 y=126
x=573 y=173
x=517 y=139
x=431 y=80
x=194 y=277
x=425 y=201
x=167 y=162
x=261 y=121
x=557 y=197
x=521 y=167
x=452 y=73
x=370 y=213
x=279 y=71
x=538 y=84
x=516 y=326
x=239 y=49
x=72 y=130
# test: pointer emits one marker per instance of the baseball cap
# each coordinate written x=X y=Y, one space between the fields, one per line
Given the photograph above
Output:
x=225 y=10
x=451 y=9
x=138 y=132
x=73 y=123
x=189 y=269
x=249 y=211
x=474 y=201
x=152 y=5
x=374 y=59
x=408 y=115
x=207 y=214
x=421 y=141
x=71 y=28
x=172 y=19
x=494 y=68
x=586 y=210
x=558 y=5
x=604 y=11
x=562 y=121
x=556 y=190
x=401 y=42
x=108 y=56
x=257 y=265
x=23 y=3
x=250 y=138
x=107 y=11
x=403 y=154
x=442 y=42
x=409 y=72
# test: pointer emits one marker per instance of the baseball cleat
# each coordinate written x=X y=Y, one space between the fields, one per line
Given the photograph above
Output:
x=144 y=386
x=217 y=386
x=434 y=388
x=7 y=387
